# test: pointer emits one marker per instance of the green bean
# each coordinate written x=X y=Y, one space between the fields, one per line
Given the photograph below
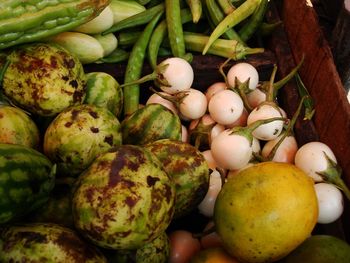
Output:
x=136 y=20
x=154 y=44
x=217 y=16
x=220 y=47
x=175 y=31
x=118 y=55
x=134 y=67
x=237 y=16
x=128 y=38
x=164 y=52
x=248 y=29
x=226 y=6
x=196 y=9
x=266 y=29
x=160 y=33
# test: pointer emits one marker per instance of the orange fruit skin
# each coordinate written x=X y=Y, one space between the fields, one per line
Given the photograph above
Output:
x=213 y=255
x=265 y=211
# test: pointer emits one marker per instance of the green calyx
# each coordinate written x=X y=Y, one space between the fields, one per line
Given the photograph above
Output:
x=332 y=175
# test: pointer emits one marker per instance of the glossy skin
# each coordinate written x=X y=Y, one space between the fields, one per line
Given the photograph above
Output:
x=46 y=243
x=187 y=168
x=265 y=211
x=16 y=127
x=77 y=135
x=44 y=79
x=124 y=199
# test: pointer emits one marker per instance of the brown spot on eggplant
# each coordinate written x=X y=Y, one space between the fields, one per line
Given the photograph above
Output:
x=68 y=124
x=31 y=237
x=151 y=180
x=69 y=63
x=65 y=78
x=89 y=194
x=78 y=95
x=168 y=193
x=122 y=161
x=73 y=83
x=75 y=114
x=109 y=139
x=74 y=246
x=130 y=201
x=53 y=62
x=93 y=114
x=94 y=129
x=1 y=115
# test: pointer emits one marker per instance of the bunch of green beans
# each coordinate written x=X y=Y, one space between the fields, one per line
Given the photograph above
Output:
x=224 y=28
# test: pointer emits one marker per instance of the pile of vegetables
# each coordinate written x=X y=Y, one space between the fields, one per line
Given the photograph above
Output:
x=94 y=170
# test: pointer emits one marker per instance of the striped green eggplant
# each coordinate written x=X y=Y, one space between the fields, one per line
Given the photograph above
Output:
x=26 y=180
x=150 y=123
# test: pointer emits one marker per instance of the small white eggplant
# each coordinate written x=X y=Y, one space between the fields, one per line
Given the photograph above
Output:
x=330 y=203
x=206 y=207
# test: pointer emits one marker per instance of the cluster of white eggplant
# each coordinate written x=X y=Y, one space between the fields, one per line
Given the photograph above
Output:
x=242 y=130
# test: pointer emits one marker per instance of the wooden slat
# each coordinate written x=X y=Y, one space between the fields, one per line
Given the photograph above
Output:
x=332 y=118
x=319 y=74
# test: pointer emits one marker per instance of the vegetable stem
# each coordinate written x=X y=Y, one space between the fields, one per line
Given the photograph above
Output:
x=333 y=175
x=237 y=16
x=270 y=93
x=247 y=130
x=308 y=103
x=288 y=131
x=220 y=47
x=255 y=20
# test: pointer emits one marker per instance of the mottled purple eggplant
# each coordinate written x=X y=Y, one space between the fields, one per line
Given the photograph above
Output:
x=44 y=79
x=156 y=251
x=60 y=199
x=189 y=170
x=17 y=127
x=78 y=135
x=124 y=199
x=46 y=243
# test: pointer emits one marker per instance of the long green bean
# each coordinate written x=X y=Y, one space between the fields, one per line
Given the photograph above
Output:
x=128 y=38
x=248 y=29
x=237 y=16
x=134 y=67
x=216 y=15
x=118 y=55
x=196 y=9
x=266 y=29
x=160 y=33
x=174 y=25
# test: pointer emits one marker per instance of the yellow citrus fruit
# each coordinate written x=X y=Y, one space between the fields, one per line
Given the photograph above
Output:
x=265 y=211
x=213 y=255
